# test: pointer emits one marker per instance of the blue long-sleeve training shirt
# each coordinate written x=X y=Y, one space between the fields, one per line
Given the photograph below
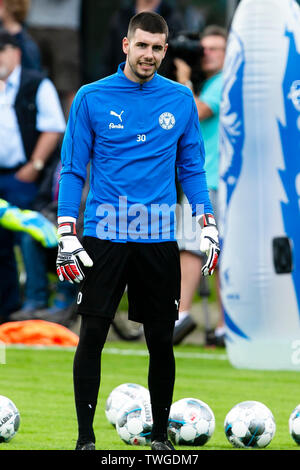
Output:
x=135 y=136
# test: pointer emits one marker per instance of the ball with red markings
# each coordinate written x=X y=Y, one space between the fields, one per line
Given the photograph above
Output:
x=191 y=422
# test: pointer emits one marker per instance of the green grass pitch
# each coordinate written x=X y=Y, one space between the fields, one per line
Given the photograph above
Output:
x=39 y=381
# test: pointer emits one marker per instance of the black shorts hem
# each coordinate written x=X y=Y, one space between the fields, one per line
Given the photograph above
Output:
x=95 y=313
x=131 y=316
x=150 y=316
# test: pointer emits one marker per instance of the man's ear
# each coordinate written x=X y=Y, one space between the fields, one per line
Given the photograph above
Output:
x=125 y=45
x=165 y=49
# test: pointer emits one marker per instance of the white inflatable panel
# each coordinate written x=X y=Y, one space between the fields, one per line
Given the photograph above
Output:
x=259 y=192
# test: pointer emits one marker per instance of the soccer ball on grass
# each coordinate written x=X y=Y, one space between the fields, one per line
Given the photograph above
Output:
x=249 y=424
x=294 y=424
x=9 y=419
x=120 y=395
x=191 y=422
x=134 y=422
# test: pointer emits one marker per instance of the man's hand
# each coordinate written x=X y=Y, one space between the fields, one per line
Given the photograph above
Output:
x=183 y=71
x=70 y=252
x=209 y=243
x=27 y=173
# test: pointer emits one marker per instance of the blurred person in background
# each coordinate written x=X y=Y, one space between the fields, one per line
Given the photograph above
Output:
x=31 y=125
x=213 y=41
x=13 y=14
x=194 y=18
x=55 y=26
x=113 y=54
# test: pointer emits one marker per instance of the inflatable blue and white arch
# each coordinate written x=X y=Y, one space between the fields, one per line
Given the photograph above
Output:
x=259 y=196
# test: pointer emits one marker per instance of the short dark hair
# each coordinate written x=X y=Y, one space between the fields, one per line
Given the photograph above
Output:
x=214 y=30
x=148 y=21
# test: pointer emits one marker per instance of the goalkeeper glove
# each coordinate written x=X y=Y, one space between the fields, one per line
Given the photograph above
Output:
x=209 y=243
x=70 y=252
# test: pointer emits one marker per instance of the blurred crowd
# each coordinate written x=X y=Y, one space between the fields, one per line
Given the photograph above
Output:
x=40 y=73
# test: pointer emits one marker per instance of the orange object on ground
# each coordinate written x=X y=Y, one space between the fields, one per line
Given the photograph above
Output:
x=38 y=332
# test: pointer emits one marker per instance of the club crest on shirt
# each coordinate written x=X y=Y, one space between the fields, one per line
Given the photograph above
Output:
x=167 y=120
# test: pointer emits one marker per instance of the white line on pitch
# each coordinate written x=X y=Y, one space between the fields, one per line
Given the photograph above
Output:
x=125 y=352
x=179 y=354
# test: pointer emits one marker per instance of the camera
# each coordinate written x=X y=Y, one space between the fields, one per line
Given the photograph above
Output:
x=186 y=46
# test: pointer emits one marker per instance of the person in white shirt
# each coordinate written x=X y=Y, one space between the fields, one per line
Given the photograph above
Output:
x=31 y=125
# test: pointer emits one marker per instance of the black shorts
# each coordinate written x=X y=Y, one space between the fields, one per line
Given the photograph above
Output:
x=151 y=272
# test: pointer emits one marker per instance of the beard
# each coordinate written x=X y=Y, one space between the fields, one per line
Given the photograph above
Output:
x=142 y=76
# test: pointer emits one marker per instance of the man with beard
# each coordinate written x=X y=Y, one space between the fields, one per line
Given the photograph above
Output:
x=137 y=129
x=112 y=53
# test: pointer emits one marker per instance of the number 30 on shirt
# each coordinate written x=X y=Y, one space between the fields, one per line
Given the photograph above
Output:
x=141 y=138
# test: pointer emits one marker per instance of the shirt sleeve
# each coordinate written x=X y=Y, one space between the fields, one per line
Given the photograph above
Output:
x=212 y=94
x=50 y=116
x=75 y=155
x=190 y=165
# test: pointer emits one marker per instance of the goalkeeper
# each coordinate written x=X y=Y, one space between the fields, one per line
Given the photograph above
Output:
x=136 y=129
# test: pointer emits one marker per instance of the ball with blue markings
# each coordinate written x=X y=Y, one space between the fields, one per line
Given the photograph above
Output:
x=121 y=395
x=294 y=424
x=191 y=422
x=250 y=424
x=134 y=422
x=9 y=419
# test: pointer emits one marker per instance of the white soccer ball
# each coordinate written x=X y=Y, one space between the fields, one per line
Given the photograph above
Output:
x=9 y=419
x=191 y=422
x=134 y=422
x=294 y=424
x=121 y=395
x=250 y=424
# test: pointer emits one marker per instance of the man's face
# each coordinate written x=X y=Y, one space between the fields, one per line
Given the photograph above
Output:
x=145 y=52
x=9 y=59
x=214 y=54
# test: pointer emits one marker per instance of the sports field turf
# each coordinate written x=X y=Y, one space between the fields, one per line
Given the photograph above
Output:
x=39 y=381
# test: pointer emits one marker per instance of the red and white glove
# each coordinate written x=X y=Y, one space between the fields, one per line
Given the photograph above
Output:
x=209 y=243
x=70 y=252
